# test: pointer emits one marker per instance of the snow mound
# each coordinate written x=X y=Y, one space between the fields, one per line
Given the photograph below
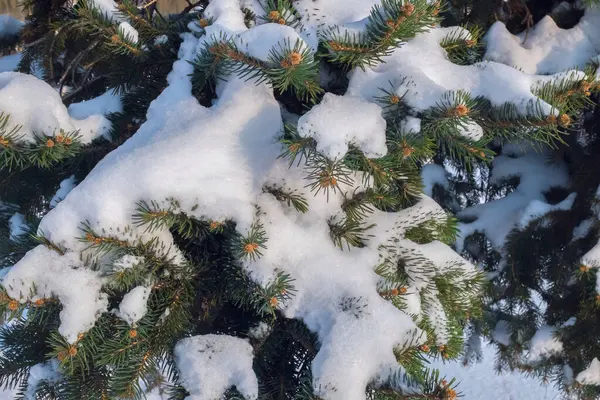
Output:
x=546 y=49
x=38 y=109
x=133 y=307
x=591 y=375
x=210 y=364
x=342 y=120
x=77 y=288
x=544 y=344
x=420 y=71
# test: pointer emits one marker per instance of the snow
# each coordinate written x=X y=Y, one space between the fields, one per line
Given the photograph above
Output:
x=433 y=174
x=41 y=372
x=538 y=208
x=64 y=189
x=37 y=108
x=133 y=307
x=339 y=121
x=77 y=288
x=501 y=333
x=9 y=26
x=90 y=114
x=583 y=229
x=591 y=375
x=260 y=331
x=544 y=344
x=237 y=139
x=498 y=217
x=127 y=261
x=129 y=32
x=431 y=75
x=471 y=130
x=210 y=364
x=546 y=48
x=259 y=41
x=108 y=7
x=10 y=62
x=410 y=124
x=323 y=13
x=17 y=225
x=480 y=381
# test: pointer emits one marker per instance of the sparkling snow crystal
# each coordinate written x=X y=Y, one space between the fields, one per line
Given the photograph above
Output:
x=210 y=364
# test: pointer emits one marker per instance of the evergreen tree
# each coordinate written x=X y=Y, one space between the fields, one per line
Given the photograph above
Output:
x=529 y=218
x=252 y=216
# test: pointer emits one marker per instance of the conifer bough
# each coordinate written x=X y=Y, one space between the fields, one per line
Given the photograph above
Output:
x=251 y=225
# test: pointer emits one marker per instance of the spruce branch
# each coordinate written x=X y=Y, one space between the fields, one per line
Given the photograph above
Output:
x=348 y=232
x=289 y=66
x=290 y=197
x=464 y=48
x=388 y=26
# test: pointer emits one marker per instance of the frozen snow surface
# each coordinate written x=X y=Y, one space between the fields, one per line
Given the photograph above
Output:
x=210 y=364
x=546 y=48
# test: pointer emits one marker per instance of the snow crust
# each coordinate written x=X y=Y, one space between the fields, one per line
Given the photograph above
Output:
x=590 y=375
x=37 y=108
x=211 y=364
x=339 y=121
x=546 y=48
